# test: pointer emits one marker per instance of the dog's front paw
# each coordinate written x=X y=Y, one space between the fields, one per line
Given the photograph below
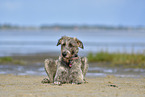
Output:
x=76 y=83
x=57 y=83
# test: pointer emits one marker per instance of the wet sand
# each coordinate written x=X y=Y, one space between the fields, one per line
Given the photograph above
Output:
x=110 y=86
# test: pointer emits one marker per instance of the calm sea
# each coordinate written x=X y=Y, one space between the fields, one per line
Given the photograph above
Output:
x=41 y=41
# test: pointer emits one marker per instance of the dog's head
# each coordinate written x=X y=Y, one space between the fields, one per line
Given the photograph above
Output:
x=69 y=46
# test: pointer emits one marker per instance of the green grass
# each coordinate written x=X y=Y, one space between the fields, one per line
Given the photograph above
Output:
x=5 y=59
x=119 y=59
x=10 y=60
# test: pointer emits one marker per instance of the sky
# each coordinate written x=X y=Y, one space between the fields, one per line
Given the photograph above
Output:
x=73 y=12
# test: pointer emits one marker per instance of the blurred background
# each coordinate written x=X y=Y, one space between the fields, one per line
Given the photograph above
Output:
x=29 y=30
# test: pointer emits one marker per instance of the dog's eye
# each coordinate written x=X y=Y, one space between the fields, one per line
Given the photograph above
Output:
x=73 y=52
x=63 y=44
x=70 y=45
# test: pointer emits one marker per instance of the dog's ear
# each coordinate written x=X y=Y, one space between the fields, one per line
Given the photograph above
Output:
x=59 y=41
x=80 y=44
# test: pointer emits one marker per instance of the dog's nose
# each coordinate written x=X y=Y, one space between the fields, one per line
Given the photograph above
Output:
x=64 y=54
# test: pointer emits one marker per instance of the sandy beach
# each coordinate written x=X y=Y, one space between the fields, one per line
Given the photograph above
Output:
x=110 y=86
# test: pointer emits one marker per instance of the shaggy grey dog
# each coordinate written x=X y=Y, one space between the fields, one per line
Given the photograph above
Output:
x=69 y=68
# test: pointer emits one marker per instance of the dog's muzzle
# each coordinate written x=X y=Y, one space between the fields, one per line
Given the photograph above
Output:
x=66 y=54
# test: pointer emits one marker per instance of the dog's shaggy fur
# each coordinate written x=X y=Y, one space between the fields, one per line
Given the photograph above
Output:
x=69 y=68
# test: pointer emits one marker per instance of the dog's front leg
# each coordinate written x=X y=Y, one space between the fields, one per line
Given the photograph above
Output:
x=50 y=68
x=61 y=74
x=76 y=75
x=84 y=66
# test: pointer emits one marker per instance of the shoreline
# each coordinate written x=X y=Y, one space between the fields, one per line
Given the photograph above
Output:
x=33 y=64
x=110 y=86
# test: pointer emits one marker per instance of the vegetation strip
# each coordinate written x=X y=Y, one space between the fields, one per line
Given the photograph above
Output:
x=7 y=60
x=119 y=59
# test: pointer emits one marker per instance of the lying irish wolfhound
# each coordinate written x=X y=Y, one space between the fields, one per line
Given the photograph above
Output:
x=69 y=68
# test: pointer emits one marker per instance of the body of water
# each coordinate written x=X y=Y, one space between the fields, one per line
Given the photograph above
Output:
x=26 y=42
